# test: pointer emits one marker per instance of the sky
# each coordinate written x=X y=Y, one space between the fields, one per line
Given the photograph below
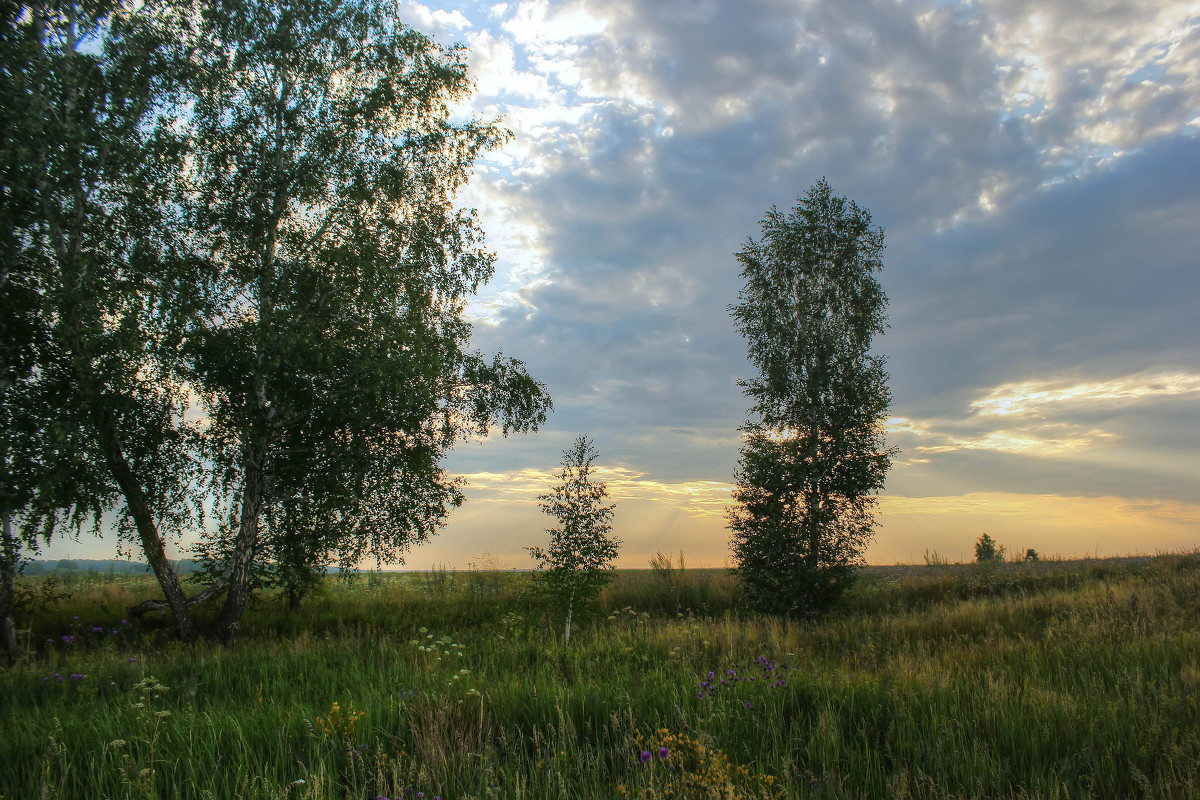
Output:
x=1035 y=166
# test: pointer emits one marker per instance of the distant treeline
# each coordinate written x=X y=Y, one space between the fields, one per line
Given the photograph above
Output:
x=36 y=567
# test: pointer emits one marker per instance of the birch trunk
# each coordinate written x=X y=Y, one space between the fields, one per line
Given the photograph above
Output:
x=8 y=629
x=245 y=546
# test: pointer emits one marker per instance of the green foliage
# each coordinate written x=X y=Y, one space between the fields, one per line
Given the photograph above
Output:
x=1054 y=680
x=1031 y=555
x=987 y=550
x=90 y=152
x=813 y=456
x=332 y=353
x=251 y=208
x=577 y=563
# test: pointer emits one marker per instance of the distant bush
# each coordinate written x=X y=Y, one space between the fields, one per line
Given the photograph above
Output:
x=664 y=568
x=1032 y=555
x=935 y=559
x=987 y=550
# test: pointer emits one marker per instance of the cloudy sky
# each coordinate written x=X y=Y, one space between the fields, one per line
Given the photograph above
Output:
x=1036 y=167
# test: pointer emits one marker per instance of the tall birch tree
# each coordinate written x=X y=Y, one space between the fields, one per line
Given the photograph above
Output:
x=813 y=457
x=92 y=411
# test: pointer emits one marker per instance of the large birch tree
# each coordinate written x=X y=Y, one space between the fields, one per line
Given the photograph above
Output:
x=92 y=410
x=333 y=356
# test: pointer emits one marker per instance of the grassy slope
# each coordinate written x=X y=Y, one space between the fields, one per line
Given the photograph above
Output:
x=1054 y=680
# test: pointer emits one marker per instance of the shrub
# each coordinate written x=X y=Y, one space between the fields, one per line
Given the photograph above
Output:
x=986 y=550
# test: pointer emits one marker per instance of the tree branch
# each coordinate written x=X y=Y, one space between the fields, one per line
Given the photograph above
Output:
x=147 y=606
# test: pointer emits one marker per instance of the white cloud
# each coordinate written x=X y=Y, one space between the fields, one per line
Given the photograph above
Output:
x=1037 y=397
x=699 y=498
x=1095 y=75
x=1040 y=417
x=533 y=22
x=435 y=21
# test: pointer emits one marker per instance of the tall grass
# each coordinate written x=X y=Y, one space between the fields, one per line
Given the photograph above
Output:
x=1059 y=681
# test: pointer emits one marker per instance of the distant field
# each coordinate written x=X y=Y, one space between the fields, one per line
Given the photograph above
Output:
x=1054 y=680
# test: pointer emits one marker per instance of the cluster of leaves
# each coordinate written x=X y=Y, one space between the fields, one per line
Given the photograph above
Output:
x=987 y=550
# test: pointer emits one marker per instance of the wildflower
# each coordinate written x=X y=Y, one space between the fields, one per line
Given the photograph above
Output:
x=663 y=752
x=646 y=756
x=748 y=705
x=132 y=659
x=97 y=629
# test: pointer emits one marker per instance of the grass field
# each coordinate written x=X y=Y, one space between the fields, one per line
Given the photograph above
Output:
x=1055 y=680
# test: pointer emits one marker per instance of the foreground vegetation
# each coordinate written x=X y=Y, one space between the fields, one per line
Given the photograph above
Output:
x=1038 y=680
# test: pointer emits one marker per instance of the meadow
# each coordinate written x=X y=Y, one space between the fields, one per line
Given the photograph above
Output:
x=1047 y=680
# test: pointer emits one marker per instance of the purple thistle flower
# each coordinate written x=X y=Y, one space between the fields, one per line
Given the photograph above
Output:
x=97 y=629
x=732 y=674
x=700 y=695
x=748 y=705
x=663 y=752
x=132 y=659
x=646 y=756
x=712 y=675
